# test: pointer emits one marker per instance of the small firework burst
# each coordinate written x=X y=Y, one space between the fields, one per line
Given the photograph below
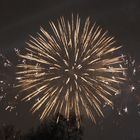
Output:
x=6 y=83
x=129 y=90
x=132 y=73
x=74 y=68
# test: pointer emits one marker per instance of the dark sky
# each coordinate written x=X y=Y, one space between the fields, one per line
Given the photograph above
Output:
x=19 y=18
x=24 y=17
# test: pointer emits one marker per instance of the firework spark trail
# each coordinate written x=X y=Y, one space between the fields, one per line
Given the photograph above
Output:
x=75 y=68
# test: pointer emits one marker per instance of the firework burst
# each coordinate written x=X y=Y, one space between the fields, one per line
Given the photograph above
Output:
x=74 y=68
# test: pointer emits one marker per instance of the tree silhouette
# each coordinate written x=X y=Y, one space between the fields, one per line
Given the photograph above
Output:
x=53 y=130
x=8 y=132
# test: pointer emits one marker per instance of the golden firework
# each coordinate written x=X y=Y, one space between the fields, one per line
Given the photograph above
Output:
x=75 y=68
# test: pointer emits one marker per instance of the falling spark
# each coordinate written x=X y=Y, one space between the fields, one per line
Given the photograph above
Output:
x=125 y=110
x=10 y=108
x=73 y=68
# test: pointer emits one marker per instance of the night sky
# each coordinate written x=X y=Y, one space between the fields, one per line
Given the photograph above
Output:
x=19 y=18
